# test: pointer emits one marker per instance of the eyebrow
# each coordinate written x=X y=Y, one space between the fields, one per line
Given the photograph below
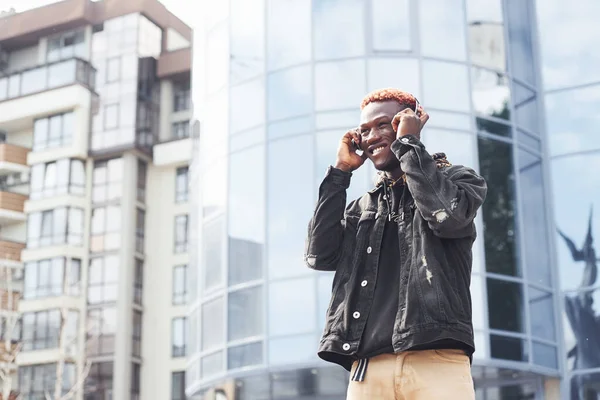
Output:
x=378 y=119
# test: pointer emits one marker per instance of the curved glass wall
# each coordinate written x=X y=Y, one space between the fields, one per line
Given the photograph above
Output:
x=571 y=76
x=282 y=81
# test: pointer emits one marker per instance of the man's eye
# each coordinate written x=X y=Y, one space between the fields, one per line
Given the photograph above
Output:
x=364 y=132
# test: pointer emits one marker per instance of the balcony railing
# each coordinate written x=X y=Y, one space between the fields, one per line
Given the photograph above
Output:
x=11 y=250
x=11 y=153
x=46 y=77
x=12 y=201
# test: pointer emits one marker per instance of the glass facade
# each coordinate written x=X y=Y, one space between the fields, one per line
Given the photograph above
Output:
x=281 y=81
x=574 y=150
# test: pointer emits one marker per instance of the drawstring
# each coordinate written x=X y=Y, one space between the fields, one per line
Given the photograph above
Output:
x=361 y=370
x=392 y=216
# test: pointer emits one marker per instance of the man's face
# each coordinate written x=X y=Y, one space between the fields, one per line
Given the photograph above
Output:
x=377 y=133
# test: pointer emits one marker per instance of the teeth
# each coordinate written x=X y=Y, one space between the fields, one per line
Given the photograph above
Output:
x=378 y=149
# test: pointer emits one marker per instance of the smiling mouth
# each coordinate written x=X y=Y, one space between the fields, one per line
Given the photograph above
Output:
x=378 y=150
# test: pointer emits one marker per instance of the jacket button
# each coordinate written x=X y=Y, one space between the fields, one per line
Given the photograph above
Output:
x=369 y=250
x=363 y=283
x=376 y=215
x=346 y=347
x=356 y=315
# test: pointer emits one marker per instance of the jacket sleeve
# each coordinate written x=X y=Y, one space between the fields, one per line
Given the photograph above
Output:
x=327 y=226
x=447 y=199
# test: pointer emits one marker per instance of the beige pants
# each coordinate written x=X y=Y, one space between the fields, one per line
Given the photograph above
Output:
x=415 y=375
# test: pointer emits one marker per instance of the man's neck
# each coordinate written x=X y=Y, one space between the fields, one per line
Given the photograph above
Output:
x=394 y=175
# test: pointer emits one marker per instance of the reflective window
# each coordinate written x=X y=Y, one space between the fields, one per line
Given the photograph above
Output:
x=528 y=140
x=289 y=127
x=136 y=339
x=67 y=45
x=339 y=29
x=36 y=381
x=496 y=166
x=213 y=327
x=586 y=384
x=581 y=332
x=545 y=355
x=46 y=278
x=508 y=348
x=246 y=215
x=458 y=146
x=180 y=284
x=289 y=92
x=576 y=202
x=449 y=120
x=101 y=378
x=505 y=305
x=340 y=84
x=289 y=215
x=63 y=225
x=246 y=139
x=140 y=229
x=178 y=337
x=327 y=143
x=113 y=69
x=214 y=184
x=53 y=131
x=441 y=92
x=519 y=17
x=247 y=38
x=213 y=253
x=491 y=94
x=289 y=32
x=57 y=177
x=541 y=312
x=178 y=385
x=142 y=175
x=34 y=80
x=212 y=364
x=338 y=119
x=103 y=323
x=245 y=355
x=493 y=127
x=181 y=96
x=442 y=27
x=247 y=105
x=526 y=108
x=245 y=313
x=294 y=349
x=41 y=330
x=103 y=279
x=180 y=130
x=105 y=232
x=486 y=33
x=292 y=307
x=138 y=281
x=535 y=226
x=391 y=25
x=576 y=130
x=571 y=63
x=181 y=234
x=107 y=180
x=403 y=74
x=182 y=184
x=111 y=116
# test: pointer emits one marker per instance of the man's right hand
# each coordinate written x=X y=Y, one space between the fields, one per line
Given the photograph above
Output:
x=347 y=158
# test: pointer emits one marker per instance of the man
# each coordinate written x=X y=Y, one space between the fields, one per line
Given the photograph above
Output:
x=400 y=315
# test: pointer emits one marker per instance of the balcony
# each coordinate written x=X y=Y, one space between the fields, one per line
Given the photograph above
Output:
x=13 y=159
x=45 y=89
x=10 y=252
x=11 y=208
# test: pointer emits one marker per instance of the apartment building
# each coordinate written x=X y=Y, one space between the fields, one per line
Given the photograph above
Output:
x=94 y=152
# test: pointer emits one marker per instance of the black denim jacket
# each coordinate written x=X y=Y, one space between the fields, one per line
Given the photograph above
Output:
x=436 y=234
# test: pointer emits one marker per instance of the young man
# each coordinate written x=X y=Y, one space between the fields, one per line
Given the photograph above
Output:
x=400 y=315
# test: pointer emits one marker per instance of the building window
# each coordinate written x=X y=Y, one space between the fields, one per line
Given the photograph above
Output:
x=53 y=131
x=103 y=279
x=178 y=385
x=41 y=330
x=101 y=336
x=111 y=116
x=137 y=333
x=140 y=226
x=178 y=337
x=180 y=130
x=179 y=285
x=135 y=381
x=45 y=278
x=106 y=229
x=66 y=45
x=182 y=181
x=113 y=69
x=181 y=233
x=142 y=174
x=57 y=177
x=107 y=181
x=37 y=380
x=181 y=96
x=138 y=282
x=62 y=225
x=100 y=379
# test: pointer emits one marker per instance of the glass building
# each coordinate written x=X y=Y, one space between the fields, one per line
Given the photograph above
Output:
x=276 y=84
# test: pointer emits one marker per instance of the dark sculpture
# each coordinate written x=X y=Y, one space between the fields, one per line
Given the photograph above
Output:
x=584 y=323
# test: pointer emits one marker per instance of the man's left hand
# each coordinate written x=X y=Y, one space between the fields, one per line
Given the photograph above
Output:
x=406 y=122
